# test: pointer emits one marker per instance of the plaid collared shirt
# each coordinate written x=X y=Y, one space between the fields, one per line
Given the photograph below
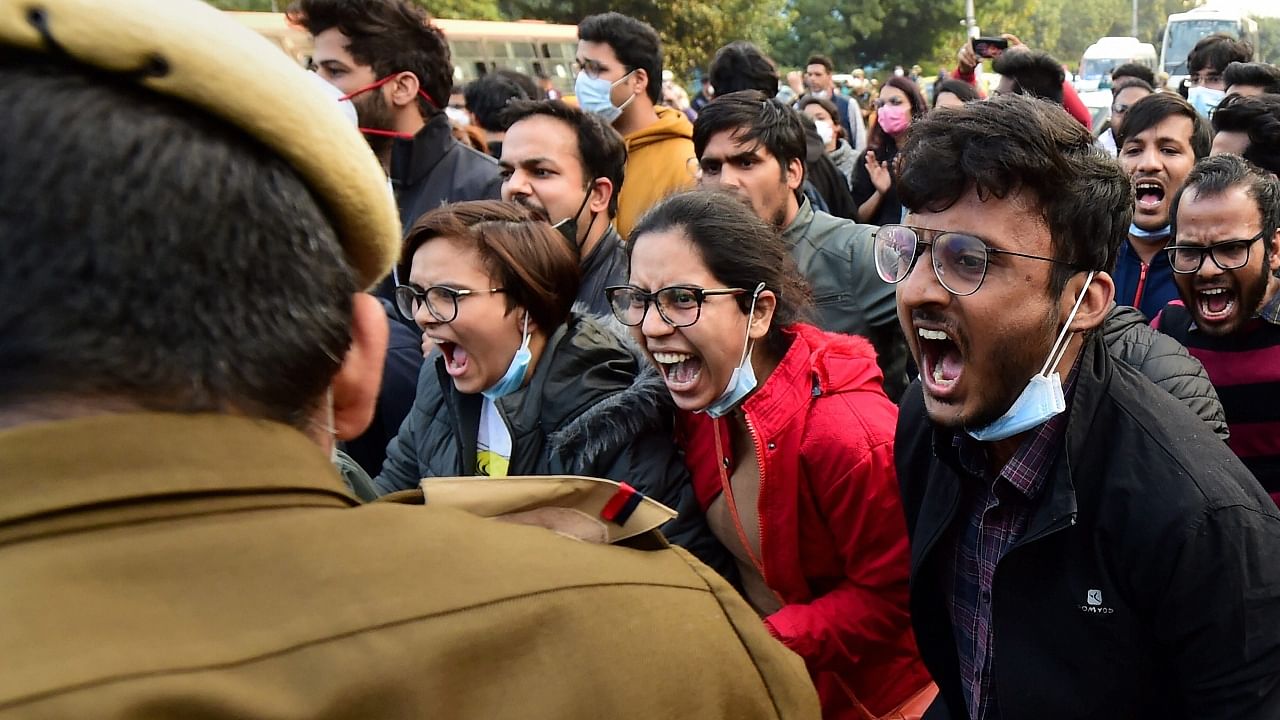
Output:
x=995 y=509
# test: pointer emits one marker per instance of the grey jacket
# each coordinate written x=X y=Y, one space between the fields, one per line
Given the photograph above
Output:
x=1130 y=338
x=836 y=256
x=594 y=406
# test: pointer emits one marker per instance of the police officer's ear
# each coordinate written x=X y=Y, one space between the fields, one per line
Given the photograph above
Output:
x=1097 y=301
x=355 y=386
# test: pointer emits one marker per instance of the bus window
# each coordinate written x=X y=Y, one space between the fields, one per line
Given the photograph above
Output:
x=1181 y=38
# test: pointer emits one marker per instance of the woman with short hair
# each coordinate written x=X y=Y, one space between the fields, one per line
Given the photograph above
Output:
x=515 y=382
x=789 y=439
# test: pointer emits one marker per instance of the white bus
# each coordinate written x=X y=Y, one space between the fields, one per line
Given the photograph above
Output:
x=1108 y=53
x=477 y=46
x=1184 y=30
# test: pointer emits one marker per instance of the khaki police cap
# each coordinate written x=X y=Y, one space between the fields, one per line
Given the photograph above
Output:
x=189 y=51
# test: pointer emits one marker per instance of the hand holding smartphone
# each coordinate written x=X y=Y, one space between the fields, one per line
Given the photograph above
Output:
x=989 y=47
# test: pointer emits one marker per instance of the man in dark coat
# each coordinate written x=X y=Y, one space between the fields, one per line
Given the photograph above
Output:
x=1082 y=545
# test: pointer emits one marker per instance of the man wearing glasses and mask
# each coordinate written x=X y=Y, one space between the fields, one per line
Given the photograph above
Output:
x=1225 y=254
x=1082 y=547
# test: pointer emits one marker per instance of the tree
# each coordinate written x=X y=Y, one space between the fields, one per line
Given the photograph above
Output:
x=691 y=30
x=856 y=33
x=464 y=9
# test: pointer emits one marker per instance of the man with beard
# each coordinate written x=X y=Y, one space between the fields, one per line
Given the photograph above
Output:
x=1225 y=254
x=1082 y=547
x=755 y=147
x=1161 y=139
x=569 y=164
x=395 y=66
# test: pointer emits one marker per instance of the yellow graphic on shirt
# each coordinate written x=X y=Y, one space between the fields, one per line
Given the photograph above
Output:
x=491 y=464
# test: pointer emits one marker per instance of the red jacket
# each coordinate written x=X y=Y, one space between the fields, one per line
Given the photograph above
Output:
x=833 y=540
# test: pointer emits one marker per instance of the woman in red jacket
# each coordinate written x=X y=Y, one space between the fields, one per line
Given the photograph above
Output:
x=789 y=440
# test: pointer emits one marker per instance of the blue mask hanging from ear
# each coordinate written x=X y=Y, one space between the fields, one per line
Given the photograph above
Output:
x=1042 y=398
x=743 y=380
x=513 y=379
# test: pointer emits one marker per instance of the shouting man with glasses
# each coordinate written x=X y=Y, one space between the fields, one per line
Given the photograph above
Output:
x=1081 y=546
x=1225 y=255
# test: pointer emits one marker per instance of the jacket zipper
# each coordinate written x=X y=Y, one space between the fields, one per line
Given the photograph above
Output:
x=727 y=488
x=1142 y=284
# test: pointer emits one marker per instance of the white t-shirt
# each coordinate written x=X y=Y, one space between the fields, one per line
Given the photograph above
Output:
x=493 y=444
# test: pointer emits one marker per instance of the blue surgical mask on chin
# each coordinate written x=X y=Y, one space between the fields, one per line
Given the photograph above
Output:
x=1204 y=99
x=594 y=96
x=516 y=371
x=1042 y=398
x=743 y=379
x=1138 y=232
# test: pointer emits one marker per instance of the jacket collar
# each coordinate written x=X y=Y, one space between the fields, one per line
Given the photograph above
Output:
x=799 y=226
x=103 y=460
x=412 y=160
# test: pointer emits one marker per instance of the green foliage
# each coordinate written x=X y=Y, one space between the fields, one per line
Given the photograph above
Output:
x=855 y=33
x=691 y=30
x=464 y=9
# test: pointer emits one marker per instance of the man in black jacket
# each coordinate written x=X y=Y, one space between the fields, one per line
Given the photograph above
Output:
x=1082 y=547
x=395 y=66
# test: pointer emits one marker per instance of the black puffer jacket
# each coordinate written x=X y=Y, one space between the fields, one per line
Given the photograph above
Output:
x=1131 y=339
x=594 y=406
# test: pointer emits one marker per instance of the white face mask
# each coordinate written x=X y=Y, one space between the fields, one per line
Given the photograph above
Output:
x=1042 y=398
x=458 y=115
x=1204 y=99
x=826 y=131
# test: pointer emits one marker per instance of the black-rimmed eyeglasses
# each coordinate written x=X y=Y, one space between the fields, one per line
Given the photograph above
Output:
x=441 y=300
x=1227 y=255
x=959 y=259
x=678 y=305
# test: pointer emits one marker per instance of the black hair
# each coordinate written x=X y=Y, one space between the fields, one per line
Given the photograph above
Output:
x=526 y=83
x=822 y=60
x=1153 y=109
x=1134 y=70
x=1217 y=51
x=881 y=141
x=1034 y=72
x=751 y=117
x=157 y=255
x=1213 y=176
x=520 y=251
x=634 y=42
x=390 y=36
x=959 y=88
x=601 y=150
x=1261 y=75
x=739 y=249
x=1259 y=119
x=1129 y=81
x=488 y=96
x=1013 y=144
x=741 y=65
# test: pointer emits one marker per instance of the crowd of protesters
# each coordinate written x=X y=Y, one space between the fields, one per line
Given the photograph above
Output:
x=364 y=395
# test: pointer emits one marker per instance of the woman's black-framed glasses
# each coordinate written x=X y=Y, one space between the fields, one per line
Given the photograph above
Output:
x=1227 y=255
x=678 y=305
x=959 y=259
x=441 y=300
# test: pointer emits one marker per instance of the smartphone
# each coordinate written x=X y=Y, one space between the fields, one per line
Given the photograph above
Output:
x=989 y=47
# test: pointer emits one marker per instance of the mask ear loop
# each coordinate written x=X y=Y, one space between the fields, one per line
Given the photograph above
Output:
x=746 y=341
x=1060 y=345
x=524 y=334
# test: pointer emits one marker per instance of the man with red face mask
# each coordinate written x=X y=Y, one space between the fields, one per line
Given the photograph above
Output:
x=395 y=67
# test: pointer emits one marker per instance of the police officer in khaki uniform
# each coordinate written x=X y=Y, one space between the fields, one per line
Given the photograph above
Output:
x=185 y=223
